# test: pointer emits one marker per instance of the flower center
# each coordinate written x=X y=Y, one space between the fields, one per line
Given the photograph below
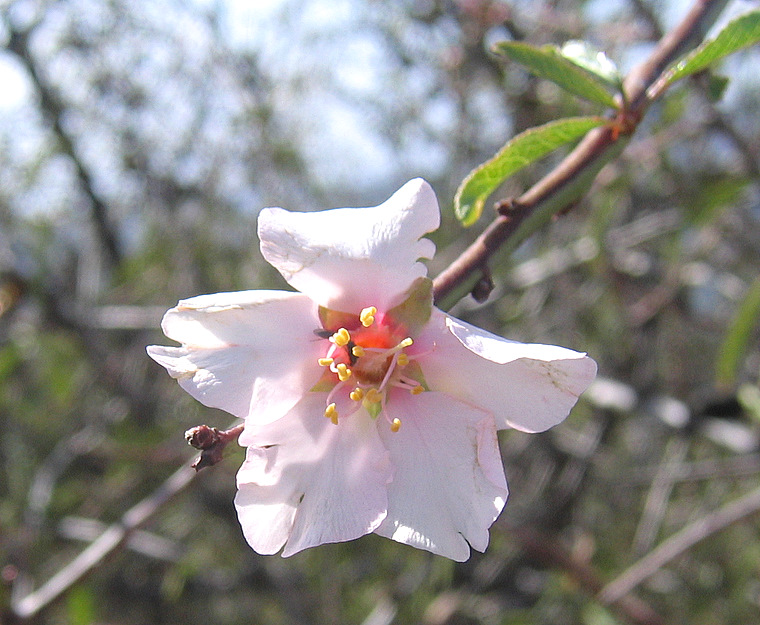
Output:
x=363 y=363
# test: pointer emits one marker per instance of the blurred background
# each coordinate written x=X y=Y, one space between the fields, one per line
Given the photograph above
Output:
x=138 y=141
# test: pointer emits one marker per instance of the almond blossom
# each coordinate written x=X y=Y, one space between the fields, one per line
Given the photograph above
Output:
x=366 y=408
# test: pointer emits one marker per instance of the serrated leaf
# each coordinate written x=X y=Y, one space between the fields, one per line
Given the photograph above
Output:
x=595 y=61
x=522 y=150
x=738 y=336
x=740 y=33
x=549 y=63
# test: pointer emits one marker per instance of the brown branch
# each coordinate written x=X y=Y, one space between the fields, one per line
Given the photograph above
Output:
x=552 y=553
x=109 y=542
x=678 y=543
x=52 y=108
x=588 y=154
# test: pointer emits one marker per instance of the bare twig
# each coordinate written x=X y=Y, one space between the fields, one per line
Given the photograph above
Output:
x=678 y=543
x=641 y=88
x=211 y=441
x=110 y=541
x=551 y=552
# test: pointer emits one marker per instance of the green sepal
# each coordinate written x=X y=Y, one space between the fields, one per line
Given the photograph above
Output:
x=374 y=408
x=333 y=320
x=325 y=384
x=414 y=372
x=414 y=312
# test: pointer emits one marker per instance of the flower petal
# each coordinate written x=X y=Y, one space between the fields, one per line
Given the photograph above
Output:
x=528 y=387
x=449 y=484
x=306 y=481
x=350 y=258
x=251 y=353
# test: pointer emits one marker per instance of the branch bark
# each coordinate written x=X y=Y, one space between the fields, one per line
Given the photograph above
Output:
x=642 y=86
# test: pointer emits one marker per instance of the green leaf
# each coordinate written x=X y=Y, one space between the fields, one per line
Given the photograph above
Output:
x=742 y=32
x=542 y=214
x=549 y=63
x=519 y=152
x=738 y=336
x=595 y=61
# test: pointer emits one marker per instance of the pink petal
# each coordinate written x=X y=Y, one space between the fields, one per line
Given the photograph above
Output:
x=306 y=481
x=527 y=387
x=449 y=484
x=349 y=258
x=252 y=353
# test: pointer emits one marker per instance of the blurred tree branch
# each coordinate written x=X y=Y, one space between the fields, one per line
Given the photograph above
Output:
x=110 y=541
x=53 y=109
x=679 y=542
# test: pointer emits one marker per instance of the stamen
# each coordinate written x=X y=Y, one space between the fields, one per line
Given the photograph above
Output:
x=395 y=425
x=367 y=316
x=332 y=413
x=406 y=342
x=325 y=362
x=373 y=396
x=402 y=360
x=357 y=394
x=358 y=351
x=343 y=372
x=341 y=338
x=416 y=390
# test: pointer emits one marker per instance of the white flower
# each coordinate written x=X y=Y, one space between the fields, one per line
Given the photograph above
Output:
x=366 y=409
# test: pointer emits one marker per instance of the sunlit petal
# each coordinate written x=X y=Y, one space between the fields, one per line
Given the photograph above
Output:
x=528 y=387
x=449 y=483
x=307 y=481
x=350 y=258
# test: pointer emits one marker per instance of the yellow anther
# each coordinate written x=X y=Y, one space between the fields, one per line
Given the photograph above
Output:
x=406 y=342
x=367 y=316
x=416 y=390
x=357 y=394
x=373 y=396
x=343 y=372
x=358 y=351
x=402 y=360
x=325 y=362
x=395 y=425
x=341 y=338
x=332 y=413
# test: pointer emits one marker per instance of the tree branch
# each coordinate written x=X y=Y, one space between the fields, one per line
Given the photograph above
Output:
x=680 y=542
x=110 y=541
x=642 y=86
x=18 y=44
